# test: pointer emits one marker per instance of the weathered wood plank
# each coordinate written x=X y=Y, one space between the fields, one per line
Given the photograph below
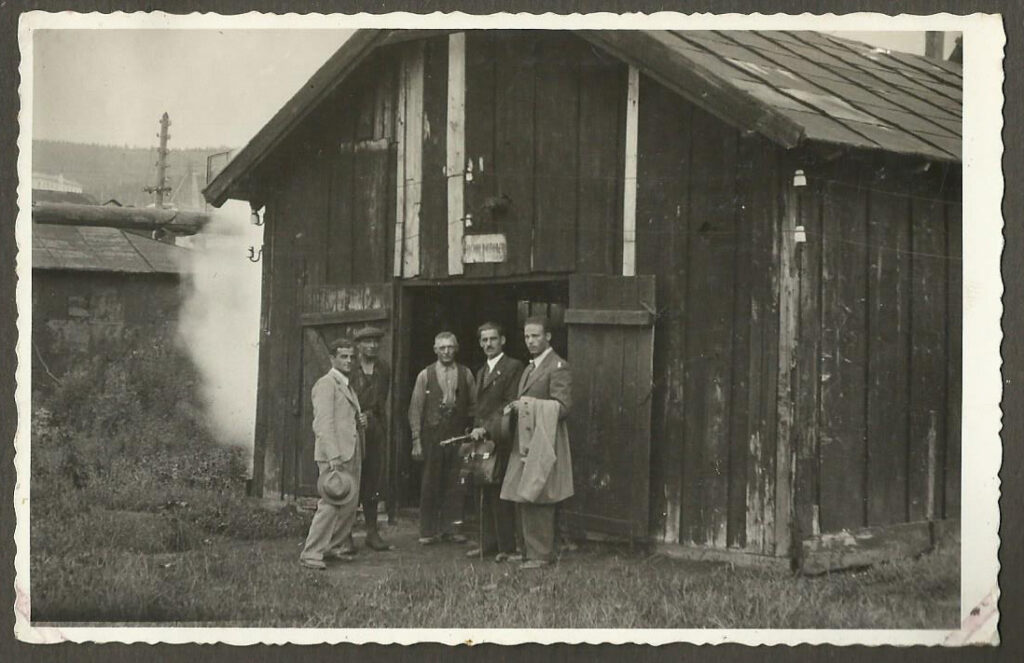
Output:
x=515 y=62
x=843 y=550
x=954 y=361
x=579 y=316
x=556 y=136
x=602 y=113
x=371 y=201
x=807 y=362
x=455 y=169
x=433 y=231
x=888 y=357
x=629 y=174
x=927 y=357
x=341 y=214
x=413 y=170
x=789 y=310
x=401 y=128
x=843 y=429
x=480 y=111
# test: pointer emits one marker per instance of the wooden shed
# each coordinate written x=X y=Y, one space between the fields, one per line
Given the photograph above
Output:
x=752 y=240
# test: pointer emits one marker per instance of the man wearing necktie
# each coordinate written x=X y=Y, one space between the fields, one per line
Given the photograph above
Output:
x=442 y=404
x=545 y=378
x=497 y=385
x=338 y=425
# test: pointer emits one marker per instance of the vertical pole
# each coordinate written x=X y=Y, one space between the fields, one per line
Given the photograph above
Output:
x=629 y=177
x=161 y=162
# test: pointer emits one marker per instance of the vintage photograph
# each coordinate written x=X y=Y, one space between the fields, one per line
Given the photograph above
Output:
x=644 y=334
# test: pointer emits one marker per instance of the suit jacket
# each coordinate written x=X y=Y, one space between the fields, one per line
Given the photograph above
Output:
x=335 y=408
x=493 y=392
x=551 y=381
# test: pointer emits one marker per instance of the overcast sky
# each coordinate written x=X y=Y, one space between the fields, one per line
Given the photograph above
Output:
x=219 y=86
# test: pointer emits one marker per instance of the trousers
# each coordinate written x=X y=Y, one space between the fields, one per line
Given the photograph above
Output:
x=441 y=495
x=535 y=530
x=498 y=522
x=332 y=525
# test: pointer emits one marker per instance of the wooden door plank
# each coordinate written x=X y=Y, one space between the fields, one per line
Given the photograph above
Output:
x=629 y=173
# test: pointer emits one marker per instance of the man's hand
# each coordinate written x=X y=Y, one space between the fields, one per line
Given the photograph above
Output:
x=362 y=419
x=335 y=463
x=478 y=433
x=417 y=450
x=510 y=407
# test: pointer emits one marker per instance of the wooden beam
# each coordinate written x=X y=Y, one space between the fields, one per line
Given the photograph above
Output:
x=629 y=177
x=413 y=181
x=456 y=145
x=578 y=316
x=111 y=216
x=342 y=317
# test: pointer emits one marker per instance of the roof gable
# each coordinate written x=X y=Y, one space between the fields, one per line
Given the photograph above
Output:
x=791 y=87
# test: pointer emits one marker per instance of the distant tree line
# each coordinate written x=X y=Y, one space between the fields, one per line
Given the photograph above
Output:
x=117 y=172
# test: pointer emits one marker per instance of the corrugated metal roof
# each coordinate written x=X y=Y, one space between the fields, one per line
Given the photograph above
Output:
x=103 y=249
x=791 y=87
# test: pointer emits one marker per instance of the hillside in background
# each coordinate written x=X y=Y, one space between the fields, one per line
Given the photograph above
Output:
x=121 y=173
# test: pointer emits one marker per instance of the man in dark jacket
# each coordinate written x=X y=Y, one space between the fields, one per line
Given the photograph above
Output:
x=443 y=400
x=371 y=378
x=497 y=384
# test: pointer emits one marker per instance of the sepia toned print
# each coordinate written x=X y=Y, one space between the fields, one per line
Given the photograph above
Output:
x=728 y=261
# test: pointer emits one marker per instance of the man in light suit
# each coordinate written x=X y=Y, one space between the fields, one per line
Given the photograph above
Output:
x=497 y=385
x=546 y=378
x=338 y=424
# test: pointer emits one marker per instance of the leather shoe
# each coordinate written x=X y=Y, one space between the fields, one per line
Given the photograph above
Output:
x=455 y=538
x=315 y=564
x=514 y=557
x=428 y=540
x=534 y=564
x=475 y=552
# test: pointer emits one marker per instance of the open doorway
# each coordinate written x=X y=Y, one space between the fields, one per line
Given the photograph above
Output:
x=460 y=309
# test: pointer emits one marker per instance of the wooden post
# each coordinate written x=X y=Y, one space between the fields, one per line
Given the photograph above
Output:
x=456 y=144
x=629 y=177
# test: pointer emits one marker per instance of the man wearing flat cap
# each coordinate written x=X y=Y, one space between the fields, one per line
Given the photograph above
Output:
x=371 y=378
x=338 y=426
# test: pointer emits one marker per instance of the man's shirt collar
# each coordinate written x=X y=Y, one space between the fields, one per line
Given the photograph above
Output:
x=539 y=358
x=338 y=375
x=491 y=363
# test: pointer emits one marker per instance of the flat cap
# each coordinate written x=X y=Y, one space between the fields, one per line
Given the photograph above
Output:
x=367 y=332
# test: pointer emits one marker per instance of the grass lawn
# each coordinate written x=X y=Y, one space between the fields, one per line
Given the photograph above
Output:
x=169 y=575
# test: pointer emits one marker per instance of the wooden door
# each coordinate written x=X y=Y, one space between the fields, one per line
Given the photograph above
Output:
x=611 y=341
x=330 y=312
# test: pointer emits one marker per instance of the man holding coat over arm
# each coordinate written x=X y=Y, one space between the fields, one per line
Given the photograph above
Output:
x=539 y=474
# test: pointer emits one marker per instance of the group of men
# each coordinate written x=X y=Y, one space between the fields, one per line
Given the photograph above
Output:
x=521 y=408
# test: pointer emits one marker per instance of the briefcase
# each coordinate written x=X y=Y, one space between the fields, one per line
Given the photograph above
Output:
x=480 y=463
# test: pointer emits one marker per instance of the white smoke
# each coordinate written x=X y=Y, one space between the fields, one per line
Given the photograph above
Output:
x=219 y=320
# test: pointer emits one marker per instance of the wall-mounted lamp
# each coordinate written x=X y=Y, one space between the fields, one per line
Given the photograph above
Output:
x=254 y=216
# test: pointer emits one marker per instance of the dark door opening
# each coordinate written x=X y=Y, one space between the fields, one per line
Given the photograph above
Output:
x=460 y=309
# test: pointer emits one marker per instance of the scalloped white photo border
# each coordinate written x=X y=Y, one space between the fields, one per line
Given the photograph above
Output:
x=983 y=44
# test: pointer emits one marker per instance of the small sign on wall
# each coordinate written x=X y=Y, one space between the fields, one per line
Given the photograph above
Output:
x=484 y=248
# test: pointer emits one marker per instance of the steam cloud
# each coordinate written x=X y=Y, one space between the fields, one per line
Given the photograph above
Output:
x=219 y=322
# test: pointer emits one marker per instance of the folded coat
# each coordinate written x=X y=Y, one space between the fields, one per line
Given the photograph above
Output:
x=540 y=467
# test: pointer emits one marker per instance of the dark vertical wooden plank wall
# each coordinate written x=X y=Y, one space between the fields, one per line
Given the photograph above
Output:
x=662 y=156
x=888 y=352
x=843 y=423
x=480 y=132
x=434 y=202
x=954 y=346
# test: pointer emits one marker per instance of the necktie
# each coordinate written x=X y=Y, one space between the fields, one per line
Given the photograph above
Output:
x=529 y=369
